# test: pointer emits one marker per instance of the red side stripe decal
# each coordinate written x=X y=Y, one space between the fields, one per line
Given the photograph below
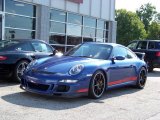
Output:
x=82 y=90
x=122 y=81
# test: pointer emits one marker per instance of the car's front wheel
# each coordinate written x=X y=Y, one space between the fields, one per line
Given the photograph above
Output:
x=97 y=85
x=142 y=77
x=19 y=69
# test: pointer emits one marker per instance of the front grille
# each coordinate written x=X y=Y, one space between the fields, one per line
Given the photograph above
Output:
x=63 y=88
x=38 y=86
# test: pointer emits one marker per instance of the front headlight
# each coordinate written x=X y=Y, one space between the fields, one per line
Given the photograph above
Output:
x=76 y=69
x=31 y=64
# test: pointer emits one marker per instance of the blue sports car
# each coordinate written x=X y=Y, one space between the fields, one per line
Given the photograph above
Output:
x=87 y=69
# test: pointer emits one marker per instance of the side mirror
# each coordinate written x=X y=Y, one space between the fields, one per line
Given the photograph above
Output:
x=117 y=58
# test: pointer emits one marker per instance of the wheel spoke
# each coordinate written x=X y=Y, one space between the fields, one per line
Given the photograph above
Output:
x=98 y=87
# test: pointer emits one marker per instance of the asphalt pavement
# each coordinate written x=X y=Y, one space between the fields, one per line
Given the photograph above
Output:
x=126 y=103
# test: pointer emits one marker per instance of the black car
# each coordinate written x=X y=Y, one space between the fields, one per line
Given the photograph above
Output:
x=15 y=55
x=151 y=48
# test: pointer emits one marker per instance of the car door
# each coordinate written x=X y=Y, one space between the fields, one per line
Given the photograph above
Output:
x=122 y=71
x=41 y=49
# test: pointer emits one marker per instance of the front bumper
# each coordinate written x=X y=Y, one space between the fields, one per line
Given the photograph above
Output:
x=52 y=88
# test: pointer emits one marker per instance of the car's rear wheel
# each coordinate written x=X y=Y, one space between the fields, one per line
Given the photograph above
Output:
x=142 y=77
x=97 y=85
x=19 y=70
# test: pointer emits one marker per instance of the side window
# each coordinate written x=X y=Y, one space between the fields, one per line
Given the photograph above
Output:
x=120 y=51
x=142 y=45
x=130 y=54
x=132 y=45
x=41 y=47
x=151 y=45
x=24 y=47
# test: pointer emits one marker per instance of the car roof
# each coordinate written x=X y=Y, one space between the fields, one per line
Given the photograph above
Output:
x=111 y=44
x=147 y=40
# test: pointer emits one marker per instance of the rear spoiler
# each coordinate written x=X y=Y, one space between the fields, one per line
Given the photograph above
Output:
x=140 y=55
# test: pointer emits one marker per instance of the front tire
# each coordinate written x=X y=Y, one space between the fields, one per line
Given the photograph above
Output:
x=142 y=77
x=97 y=85
x=19 y=69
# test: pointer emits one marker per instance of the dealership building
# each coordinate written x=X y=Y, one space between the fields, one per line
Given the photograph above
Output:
x=62 y=23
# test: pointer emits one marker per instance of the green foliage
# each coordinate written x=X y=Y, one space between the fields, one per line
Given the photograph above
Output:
x=146 y=13
x=154 y=31
x=157 y=18
x=129 y=27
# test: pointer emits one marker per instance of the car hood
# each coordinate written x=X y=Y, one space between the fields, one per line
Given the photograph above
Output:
x=64 y=63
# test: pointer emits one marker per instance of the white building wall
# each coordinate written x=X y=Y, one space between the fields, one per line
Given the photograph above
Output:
x=104 y=9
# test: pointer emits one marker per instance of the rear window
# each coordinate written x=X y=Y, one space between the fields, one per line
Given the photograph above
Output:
x=158 y=45
x=4 y=44
x=154 y=45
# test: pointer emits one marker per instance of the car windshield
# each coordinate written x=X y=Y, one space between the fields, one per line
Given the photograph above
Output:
x=96 y=51
x=7 y=43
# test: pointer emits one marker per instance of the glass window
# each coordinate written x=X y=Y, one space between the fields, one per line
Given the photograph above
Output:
x=1 y=5
x=24 y=47
x=151 y=45
x=96 y=51
x=89 y=32
x=41 y=47
x=91 y=22
x=57 y=27
x=20 y=22
x=99 y=40
x=59 y=48
x=99 y=33
x=132 y=45
x=69 y=48
x=130 y=54
x=85 y=39
x=20 y=8
x=75 y=19
x=120 y=51
x=56 y=39
x=142 y=45
x=74 y=30
x=100 y=24
x=19 y=34
x=58 y=15
x=74 y=40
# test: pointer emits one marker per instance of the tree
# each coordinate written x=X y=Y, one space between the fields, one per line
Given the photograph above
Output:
x=154 y=31
x=129 y=27
x=157 y=18
x=146 y=13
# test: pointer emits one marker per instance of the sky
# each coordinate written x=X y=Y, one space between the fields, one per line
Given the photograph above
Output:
x=133 y=5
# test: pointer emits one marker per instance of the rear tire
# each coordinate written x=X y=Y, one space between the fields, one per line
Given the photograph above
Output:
x=142 y=77
x=19 y=69
x=97 y=85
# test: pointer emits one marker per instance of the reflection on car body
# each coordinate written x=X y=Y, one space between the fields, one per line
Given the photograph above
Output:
x=87 y=69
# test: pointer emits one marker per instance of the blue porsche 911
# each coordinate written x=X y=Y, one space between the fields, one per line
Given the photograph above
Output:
x=87 y=69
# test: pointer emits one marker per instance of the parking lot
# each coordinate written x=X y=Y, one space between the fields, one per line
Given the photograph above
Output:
x=125 y=103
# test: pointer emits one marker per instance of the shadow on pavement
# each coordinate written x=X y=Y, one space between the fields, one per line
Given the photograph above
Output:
x=58 y=103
